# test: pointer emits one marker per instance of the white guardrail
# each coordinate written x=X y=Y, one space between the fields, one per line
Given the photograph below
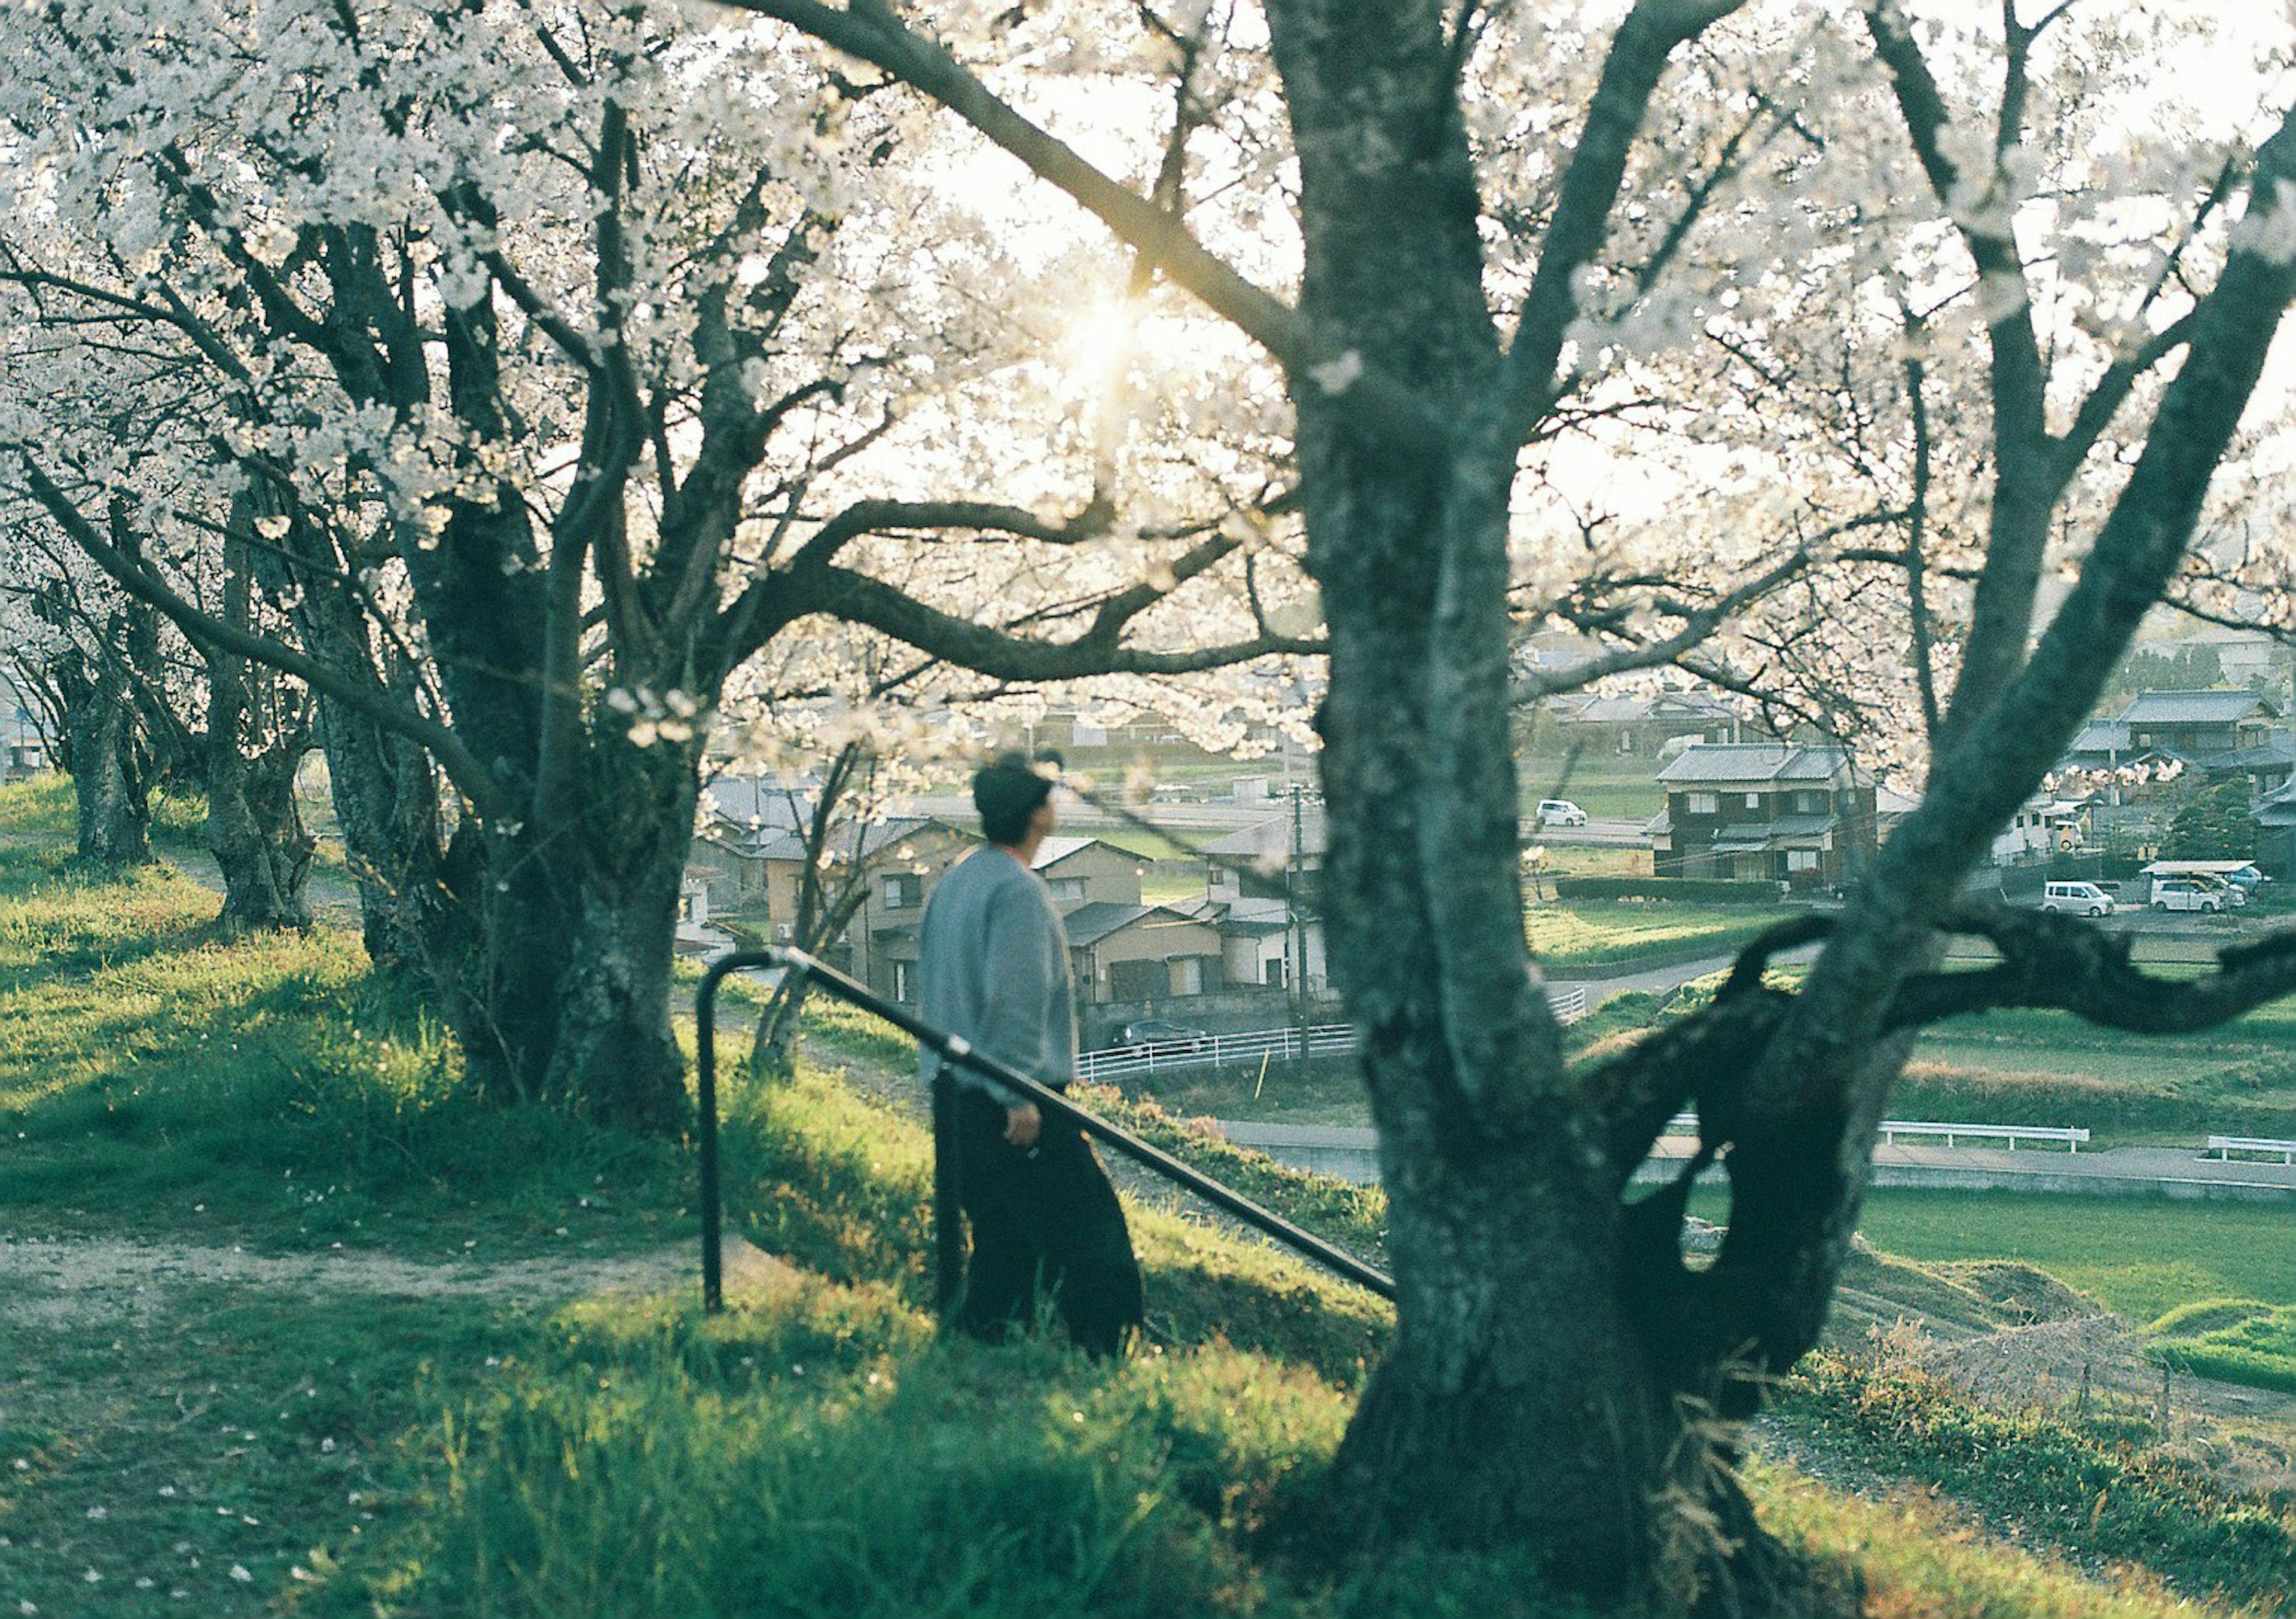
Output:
x=1264 y=1045
x=1686 y=1124
x=2225 y=1146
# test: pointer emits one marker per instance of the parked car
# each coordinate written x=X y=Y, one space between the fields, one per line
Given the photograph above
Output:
x=1560 y=812
x=2082 y=899
x=1162 y=1031
x=2185 y=893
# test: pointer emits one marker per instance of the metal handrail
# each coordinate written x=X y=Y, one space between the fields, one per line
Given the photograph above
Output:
x=954 y=1049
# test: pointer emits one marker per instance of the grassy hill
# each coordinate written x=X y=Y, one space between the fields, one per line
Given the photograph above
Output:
x=290 y=1325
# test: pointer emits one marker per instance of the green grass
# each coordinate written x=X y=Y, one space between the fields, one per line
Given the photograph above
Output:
x=2232 y=1340
x=2141 y=1256
x=2077 y=1485
x=1609 y=932
x=313 y=1446
x=139 y=1043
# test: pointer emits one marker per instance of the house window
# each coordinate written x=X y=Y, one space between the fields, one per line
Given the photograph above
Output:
x=1801 y=860
x=903 y=989
x=1068 y=889
x=1188 y=975
x=1753 y=801
x=904 y=891
x=1271 y=972
x=1705 y=804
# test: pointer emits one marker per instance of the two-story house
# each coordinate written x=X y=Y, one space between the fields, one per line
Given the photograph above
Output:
x=1120 y=949
x=2210 y=729
x=1260 y=890
x=1796 y=814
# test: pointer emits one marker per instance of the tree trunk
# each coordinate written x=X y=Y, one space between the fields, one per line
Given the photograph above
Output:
x=259 y=729
x=569 y=1002
x=1530 y=1398
x=256 y=831
x=111 y=770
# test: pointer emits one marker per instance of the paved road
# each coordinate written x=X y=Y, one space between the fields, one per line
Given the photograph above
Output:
x=1349 y=1153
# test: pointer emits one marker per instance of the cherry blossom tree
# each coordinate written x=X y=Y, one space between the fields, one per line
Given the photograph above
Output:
x=1492 y=212
x=564 y=371
x=83 y=652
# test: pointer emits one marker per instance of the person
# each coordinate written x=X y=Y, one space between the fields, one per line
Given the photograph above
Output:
x=993 y=968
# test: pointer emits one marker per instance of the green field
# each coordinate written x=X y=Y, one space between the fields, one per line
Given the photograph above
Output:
x=2141 y=1256
x=1594 y=933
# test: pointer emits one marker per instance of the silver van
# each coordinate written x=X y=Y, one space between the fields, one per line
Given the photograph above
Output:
x=2082 y=899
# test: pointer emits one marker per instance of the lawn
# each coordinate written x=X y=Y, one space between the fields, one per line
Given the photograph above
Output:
x=2236 y=1340
x=2141 y=1256
x=217 y=1136
x=1610 y=933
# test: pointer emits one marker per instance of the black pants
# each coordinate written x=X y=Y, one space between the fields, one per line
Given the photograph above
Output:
x=1043 y=1222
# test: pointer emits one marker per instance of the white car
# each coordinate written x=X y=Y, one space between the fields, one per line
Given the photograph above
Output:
x=2082 y=899
x=1560 y=812
x=2184 y=894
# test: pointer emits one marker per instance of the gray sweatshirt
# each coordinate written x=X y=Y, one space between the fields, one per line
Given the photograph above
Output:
x=993 y=966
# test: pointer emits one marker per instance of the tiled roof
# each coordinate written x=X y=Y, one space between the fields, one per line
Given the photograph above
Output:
x=1758 y=763
x=2195 y=708
x=1090 y=924
x=873 y=838
x=1054 y=850
x=769 y=802
x=2099 y=738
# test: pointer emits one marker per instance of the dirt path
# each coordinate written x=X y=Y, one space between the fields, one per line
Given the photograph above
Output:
x=54 y=1281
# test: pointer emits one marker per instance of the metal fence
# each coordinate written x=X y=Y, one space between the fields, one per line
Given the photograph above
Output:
x=1262 y=1046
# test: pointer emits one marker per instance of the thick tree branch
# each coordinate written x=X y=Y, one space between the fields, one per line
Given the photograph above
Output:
x=207 y=630
x=1526 y=386
x=868 y=29
x=2028 y=475
x=989 y=650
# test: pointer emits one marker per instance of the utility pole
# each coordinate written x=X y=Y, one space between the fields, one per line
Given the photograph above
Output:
x=1295 y=937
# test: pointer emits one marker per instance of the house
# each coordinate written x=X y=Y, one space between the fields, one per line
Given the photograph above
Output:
x=1258 y=897
x=1798 y=814
x=898 y=861
x=1141 y=954
x=2160 y=735
x=2210 y=729
x=1648 y=724
x=751 y=875
x=739 y=816
x=2043 y=825
x=2275 y=832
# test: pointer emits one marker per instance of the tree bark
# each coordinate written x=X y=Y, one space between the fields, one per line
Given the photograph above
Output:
x=258 y=728
x=255 y=831
x=565 y=1000
x=105 y=748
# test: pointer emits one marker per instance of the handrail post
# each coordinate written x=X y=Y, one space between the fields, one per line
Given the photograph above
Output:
x=705 y=1074
x=948 y=1177
x=948 y=1159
